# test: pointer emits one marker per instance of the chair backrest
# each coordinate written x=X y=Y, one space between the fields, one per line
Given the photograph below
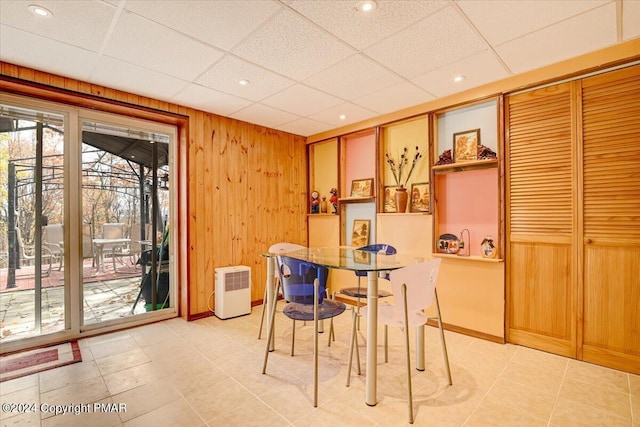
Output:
x=87 y=242
x=113 y=230
x=21 y=249
x=136 y=236
x=421 y=281
x=53 y=237
x=379 y=248
x=280 y=248
x=297 y=278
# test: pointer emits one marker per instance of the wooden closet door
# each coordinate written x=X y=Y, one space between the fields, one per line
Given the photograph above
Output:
x=541 y=219
x=611 y=219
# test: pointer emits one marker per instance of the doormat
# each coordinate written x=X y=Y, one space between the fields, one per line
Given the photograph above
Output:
x=29 y=362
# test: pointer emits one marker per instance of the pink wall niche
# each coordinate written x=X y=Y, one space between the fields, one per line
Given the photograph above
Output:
x=468 y=199
x=360 y=154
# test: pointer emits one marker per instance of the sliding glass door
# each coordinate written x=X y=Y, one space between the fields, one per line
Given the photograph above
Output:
x=33 y=295
x=125 y=212
x=85 y=218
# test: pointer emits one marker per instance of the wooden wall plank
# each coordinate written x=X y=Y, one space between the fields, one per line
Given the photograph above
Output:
x=245 y=185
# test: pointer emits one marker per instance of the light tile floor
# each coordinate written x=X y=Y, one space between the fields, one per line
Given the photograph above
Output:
x=208 y=373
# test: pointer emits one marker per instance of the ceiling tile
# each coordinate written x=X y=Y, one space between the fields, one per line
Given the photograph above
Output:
x=205 y=99
x=354 y=114
x=354 y=77
x=82 y=24
x=30 y=50
x=131 y=78
x=219 y=23
x=364 y=29
x=394 y=98
x=264 y=115
x=290 y=45
x=145 y=43
x=302 y=100
x=582 y=34
x=304 y=127
x=226 y=73
x=631 y=19
x=438 y=40
x=478 y=69
x=503 y=20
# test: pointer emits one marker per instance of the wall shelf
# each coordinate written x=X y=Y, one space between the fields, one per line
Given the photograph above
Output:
x=459 y=167
x=356 y=199
x=467 y=258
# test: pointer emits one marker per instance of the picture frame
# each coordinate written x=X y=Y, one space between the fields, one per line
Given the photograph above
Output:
x=420 y=197
x=362 y=187
x=360 y=232
x=465 y=146
x=389 y=199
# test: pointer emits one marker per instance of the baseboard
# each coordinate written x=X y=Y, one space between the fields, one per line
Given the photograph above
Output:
x=470 y=332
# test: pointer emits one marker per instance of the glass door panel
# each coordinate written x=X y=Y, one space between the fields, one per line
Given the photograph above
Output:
x=33 y=293
x=125 y=210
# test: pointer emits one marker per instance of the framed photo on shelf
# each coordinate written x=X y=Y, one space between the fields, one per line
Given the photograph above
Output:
x=465 y=145
x=360 y=233
x=362 y=187
x=420 y=197
x=389 y=198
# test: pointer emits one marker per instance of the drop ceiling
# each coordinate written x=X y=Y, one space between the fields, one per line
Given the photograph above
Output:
x=307 y=62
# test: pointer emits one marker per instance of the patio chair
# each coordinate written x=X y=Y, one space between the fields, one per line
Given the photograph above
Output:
x=137 y=239
x=53 y=239
x=27 y=253
x=113 y=231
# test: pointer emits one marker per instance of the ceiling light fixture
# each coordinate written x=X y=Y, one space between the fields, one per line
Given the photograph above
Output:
x=343 y=116
x=458 y=78
x=366 y=6
x=244 y=82
x=39 y=10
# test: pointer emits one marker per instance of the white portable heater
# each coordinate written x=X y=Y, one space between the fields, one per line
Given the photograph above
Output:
x=233 y=291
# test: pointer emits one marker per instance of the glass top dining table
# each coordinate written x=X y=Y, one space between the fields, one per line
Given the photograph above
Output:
x=349 y=258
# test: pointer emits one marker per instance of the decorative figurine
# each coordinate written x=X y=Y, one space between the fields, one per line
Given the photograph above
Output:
x=489 y=249
x=315 y=202
x=334 y=199
x=323 y=205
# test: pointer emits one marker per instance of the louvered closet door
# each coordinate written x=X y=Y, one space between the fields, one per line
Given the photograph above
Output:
x=541 y=290
x=611 y=195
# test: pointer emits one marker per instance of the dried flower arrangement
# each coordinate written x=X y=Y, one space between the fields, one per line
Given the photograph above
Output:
x=397 y=169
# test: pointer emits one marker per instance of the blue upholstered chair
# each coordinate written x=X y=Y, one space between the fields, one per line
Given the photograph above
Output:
x=304 y=289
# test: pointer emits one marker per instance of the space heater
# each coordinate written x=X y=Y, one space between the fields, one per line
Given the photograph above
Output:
x=233 y=291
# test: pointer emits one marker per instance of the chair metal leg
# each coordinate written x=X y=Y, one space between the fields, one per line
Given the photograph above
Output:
x=442 y=340
x=386 y=344
x=315 y=343
x=272 y=313
x=407 y=353
x=264 y=308
x=293 y=336
x=353 y=346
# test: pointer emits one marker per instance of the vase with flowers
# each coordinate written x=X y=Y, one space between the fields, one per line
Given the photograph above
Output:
x=398 y=170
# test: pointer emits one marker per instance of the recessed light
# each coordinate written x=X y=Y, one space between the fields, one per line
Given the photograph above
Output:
x=244 y=82
x=39 y=10
x=343 y=116
x=458 y=78
x=366 y=6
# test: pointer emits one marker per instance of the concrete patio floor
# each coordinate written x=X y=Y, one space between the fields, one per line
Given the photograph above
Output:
x=103 y=301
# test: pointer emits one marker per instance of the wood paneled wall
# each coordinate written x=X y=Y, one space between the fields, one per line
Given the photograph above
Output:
x=243 y=186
